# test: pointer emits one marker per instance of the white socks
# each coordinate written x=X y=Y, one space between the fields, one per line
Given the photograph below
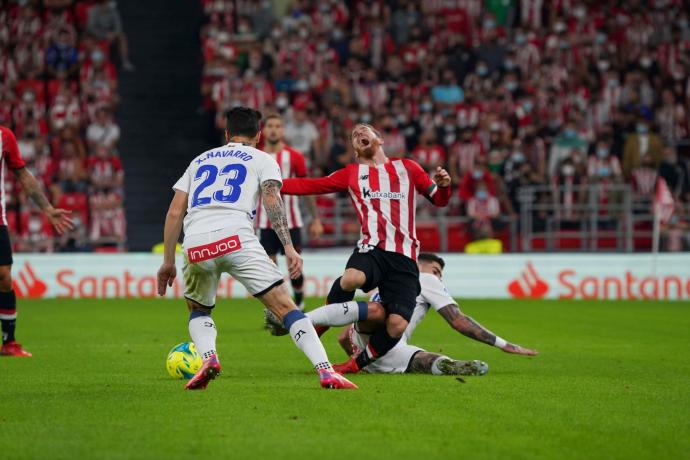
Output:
x=202 y=329
x=304 y=335
x=339 y=314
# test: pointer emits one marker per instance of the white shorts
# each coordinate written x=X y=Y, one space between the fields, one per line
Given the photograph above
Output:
x=229 y=250
x=395 y=361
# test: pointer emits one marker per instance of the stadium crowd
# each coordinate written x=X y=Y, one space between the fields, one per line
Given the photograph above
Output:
x=58 y=92
x=503 y=93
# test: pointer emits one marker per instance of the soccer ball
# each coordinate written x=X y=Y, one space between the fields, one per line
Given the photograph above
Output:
x=183 y=361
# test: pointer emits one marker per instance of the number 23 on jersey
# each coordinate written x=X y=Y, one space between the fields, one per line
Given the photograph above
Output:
x=227 y=192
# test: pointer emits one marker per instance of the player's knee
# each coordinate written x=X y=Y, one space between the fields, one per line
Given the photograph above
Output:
x=197 y=307
x=376 y=312
x=6 y=278
x=352 y=279
x=396 y=325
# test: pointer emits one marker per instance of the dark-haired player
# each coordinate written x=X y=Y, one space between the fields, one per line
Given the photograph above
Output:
x=218 y=193
x=384 y=193
x=409 y=358
x=11 y=157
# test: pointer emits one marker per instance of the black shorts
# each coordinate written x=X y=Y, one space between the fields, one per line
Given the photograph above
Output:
x=396 y=276
x=272 y=245
x=5 y=246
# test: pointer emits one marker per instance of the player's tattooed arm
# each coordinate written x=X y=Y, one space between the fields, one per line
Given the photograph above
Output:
x=466 y=325
x=59 y=218
x=275 y=209
x=32 y=188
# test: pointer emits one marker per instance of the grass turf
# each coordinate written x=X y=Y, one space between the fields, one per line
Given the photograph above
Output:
x=612 y=381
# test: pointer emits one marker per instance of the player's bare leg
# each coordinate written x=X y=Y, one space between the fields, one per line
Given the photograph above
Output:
x=8 y=315
x=425 y=362
x=303 y=334
x=382 y=340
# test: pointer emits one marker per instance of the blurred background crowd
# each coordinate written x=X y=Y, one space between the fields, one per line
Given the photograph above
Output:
x=59 y=62
x=503 y=93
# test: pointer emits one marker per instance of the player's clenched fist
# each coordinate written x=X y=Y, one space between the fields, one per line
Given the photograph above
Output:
x=166 y=277
x=441 y=177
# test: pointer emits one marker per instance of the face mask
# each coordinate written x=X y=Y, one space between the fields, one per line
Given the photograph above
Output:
x=518 y=157
x=646 y=62
x=426 y=106
x=337 y=34
x=365 y=118
x=613 y=82
x=303 y=33
x=568 y=170
x=603 y=65
x=482 y=194
x=603 y=152
x=282 y=102
x=559 y=27
x=477 y=174
x=520 y=40
x=642 y=129
x=276 y=34
x=511 y=85
x=323 y=46
x=601 y=38
x=604 y=171
x=97 y=56
x=482 y=71
x=528 y=106
x=579 y=13
x=489 y=24
x=570 y=133
x=301 y=85
x=402 y=119
x=509 y=64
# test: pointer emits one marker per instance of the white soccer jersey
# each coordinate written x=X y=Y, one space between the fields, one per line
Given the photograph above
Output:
x=223 y=186
x=434 y=294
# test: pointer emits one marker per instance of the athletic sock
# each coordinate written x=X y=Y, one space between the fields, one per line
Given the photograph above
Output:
x=339 y=314
x=338 y=294
x=298 y=293
x=435 y=366
x=202 y=329
x=379 y=344
x=304 y=336
x=8 y=315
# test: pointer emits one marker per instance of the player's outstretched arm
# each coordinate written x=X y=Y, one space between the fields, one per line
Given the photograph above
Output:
x=275 y=209
x=171 y=234
x=59 y=218
x=336 y=182
x=472 y=329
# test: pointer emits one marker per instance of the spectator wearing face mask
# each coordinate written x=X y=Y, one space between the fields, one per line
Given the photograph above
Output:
x=429 y=153
x=104 y=23
x=602 y=167
x=637 y=145
x=567 y=184
x=471 y=179
x=564 y=145
x=482 y=207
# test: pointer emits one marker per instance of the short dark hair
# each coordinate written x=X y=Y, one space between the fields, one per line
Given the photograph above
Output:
x=243 y=121
x=429 y=257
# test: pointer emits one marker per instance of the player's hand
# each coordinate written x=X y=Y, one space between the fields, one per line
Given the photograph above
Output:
x=441 y=177
x=166 y=276
x=294 y=262
x=315 y=229
x=59 y=218
x=518 y=350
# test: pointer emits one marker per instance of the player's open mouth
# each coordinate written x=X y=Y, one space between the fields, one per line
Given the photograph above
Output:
x=364 y=142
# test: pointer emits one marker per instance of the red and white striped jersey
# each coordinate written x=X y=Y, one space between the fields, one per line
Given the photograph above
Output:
x=291 y=164
x=384 y=197
x=10 y=156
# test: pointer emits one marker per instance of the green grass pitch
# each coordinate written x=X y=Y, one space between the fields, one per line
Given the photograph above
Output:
x=612 y=381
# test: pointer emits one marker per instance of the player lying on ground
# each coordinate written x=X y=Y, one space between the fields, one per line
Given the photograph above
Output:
x=292 y=164
x=408 y=358
x=384 y=192
x=219 y=192
x=10 y=156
